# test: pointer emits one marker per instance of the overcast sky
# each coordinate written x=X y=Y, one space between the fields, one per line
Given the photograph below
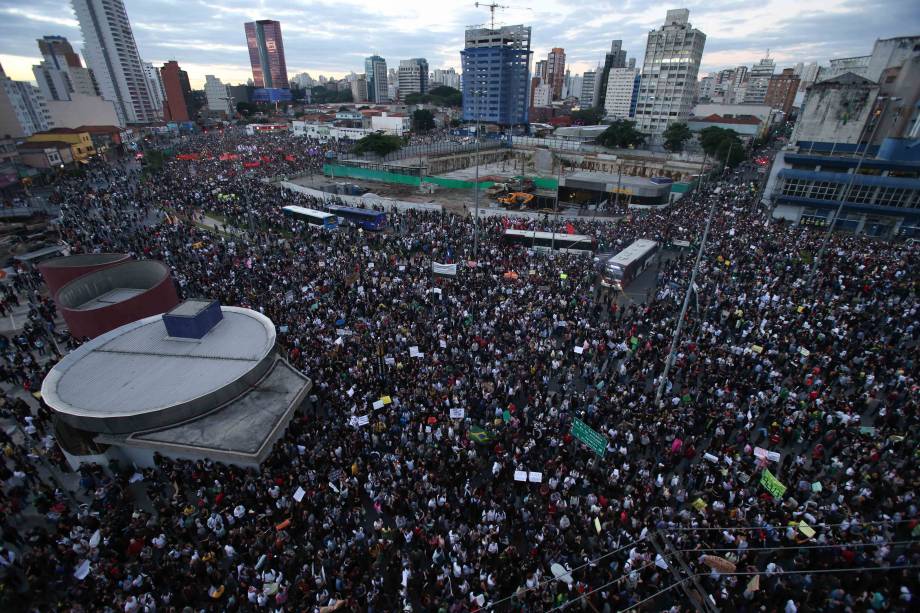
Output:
x=332 y=37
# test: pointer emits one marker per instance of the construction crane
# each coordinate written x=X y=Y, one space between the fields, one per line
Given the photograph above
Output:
x=492 y=8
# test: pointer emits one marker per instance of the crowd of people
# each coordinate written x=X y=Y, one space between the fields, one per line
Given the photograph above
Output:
x=777 y=472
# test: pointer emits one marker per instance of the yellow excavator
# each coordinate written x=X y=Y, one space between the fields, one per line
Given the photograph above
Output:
x=516 y=199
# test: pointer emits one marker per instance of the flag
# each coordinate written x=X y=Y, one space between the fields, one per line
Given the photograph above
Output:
x=478 y=434
x=569 y=228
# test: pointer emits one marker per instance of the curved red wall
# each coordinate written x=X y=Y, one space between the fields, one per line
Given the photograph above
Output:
x=58 y=272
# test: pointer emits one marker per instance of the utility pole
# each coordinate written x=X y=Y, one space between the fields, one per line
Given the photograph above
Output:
x=556 y=206
x=478 y=96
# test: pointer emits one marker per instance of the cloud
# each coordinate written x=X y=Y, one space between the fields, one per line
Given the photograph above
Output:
x=332 y=37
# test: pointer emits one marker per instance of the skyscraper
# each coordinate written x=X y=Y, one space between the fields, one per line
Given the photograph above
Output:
x=61 y=72
x=616 y=58
x=266 y=54
x=589 y=83
x=111 y=53
x=669 y=72
x=413 y=77
x=154 y=85
x=23 y=111
x=621 y=85
x=496 y=80
x=375 y=67
x=555 y=71
x=175 y=108
x=359 y=89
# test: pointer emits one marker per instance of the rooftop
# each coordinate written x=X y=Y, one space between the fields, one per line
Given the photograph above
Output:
x=135 y=377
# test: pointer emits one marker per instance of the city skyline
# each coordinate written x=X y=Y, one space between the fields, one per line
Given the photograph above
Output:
x=206 y=37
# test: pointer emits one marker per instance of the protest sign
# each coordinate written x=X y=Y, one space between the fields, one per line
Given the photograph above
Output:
x=299 y=494
x=457 y=413
x=763 y=454
x=579 y=349
x=520 y=475
x=772 y=484
x=719 y=564
x=378 y=404
x=535 y=477
x=597 y=525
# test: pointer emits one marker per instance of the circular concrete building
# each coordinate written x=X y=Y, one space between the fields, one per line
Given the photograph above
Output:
x=199 y=381
x=57 y=272
x=100 y=301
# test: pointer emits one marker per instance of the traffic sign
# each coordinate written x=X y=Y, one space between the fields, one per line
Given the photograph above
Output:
x=590 y=437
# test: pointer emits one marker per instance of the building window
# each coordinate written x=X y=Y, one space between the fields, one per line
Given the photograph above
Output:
x=891 y=196
x=824 y=190
x=861 y=194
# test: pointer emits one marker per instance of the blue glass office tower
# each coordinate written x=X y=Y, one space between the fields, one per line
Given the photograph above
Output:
x=496 y=75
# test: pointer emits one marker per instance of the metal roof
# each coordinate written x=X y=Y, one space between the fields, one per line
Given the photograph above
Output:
x=135 y=377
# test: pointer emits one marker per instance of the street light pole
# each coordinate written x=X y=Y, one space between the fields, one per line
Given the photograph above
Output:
x=846 y=192
x=556 y=205
x=477 y=95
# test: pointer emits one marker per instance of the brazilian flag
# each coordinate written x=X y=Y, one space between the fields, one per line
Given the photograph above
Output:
x=478 y=434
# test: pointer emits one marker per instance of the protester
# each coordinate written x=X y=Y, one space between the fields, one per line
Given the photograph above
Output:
x=420 y=511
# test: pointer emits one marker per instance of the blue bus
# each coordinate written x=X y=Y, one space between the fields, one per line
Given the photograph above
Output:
x=315 y=218
x=364 y=218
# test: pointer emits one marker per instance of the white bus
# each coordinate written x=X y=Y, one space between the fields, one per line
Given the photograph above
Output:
x=329 y=221
x=621 y=269
x=547 y=241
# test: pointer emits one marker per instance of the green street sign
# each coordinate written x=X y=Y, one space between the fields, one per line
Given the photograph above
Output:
x=590 y=437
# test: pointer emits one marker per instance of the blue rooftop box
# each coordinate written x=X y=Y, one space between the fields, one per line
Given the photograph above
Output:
x=193 y=318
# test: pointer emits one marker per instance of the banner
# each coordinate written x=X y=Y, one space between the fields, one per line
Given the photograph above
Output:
x=445 y=270
x=719 y=564
x=772 y=484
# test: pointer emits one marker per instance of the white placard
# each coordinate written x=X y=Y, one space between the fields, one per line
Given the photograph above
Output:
x=443 y=344
x=81 y=572
x=389 y=361
x=763 y=454
x=378 y=404
x=414 y=352
x=805 y=352
x=363 y=420
x=351 y=391
x=579 y=349
x=520 y=475
x=711 y=457
x=457 y=413
x=299 y=494
x=535 y=477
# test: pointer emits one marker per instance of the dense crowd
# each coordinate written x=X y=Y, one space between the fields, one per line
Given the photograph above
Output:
x=420 y=511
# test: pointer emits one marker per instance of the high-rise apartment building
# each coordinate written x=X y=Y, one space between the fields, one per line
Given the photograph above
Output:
x=589 y=84
x=616 y=58
x=542 y=95
x=23 y=111
x=375 y=67
x=759 y=81
x=266 y=54
x=539 y=70
x=555 y=71
x=359 y=89
x=303 y=80
x=218 y=96
x=111 y=53
x=154 y=85
x=496 y=79
x=621 y=87
x=61 y=73
x=781 y=90
x=413 y=77
x=669 y=73
x=175 y=108
x=447 y=77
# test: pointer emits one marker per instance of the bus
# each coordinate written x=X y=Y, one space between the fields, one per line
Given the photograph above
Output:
x=621 y=269
x=364 y=218
x=315 y=218
x=547 y=241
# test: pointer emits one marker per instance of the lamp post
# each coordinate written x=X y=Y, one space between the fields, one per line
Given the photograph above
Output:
x=848 y=188
x=478 y=97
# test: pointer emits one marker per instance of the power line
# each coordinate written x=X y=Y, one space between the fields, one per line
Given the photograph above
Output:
x=756 y=549
x=853 y=523
x=568 y=572
x=586 y=594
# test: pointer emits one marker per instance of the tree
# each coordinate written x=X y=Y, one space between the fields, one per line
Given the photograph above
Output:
x=719 y=143
x=587 y=117
x=422 y=120
x=712 y=137
x=675 y=136
x=245 y=108
x=438 y=96
x=381 y=144
x=621 y=133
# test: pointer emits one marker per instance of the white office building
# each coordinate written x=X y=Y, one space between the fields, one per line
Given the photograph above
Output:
x=412 y=77
x=155 y=85
x=111 y=53
x=589 y=84
x=543 y=95
x=218 y=95
x=669 y=72
x=621 y=83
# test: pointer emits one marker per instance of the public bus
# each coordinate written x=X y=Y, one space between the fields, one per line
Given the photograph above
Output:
x=321 y=219
x=363 y=218
x=621 y=269
x=547 y=241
